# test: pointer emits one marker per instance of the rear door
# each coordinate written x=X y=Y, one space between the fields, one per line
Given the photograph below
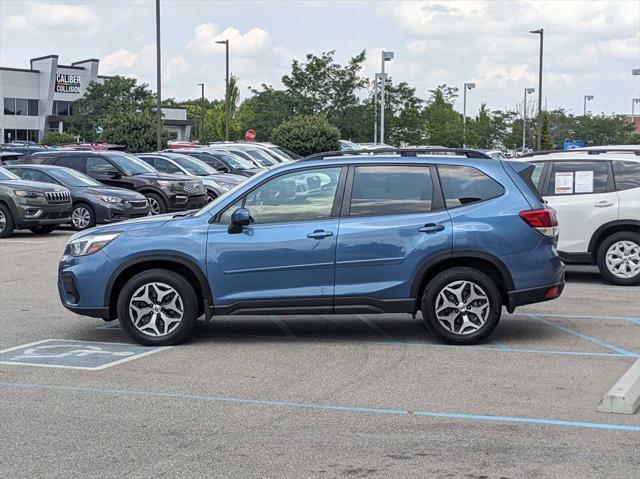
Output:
x=582 y=193
x=392 y=221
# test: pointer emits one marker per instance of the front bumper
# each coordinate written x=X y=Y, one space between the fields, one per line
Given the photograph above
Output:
x=46 y=214
x=110 y=213
x=181 y=202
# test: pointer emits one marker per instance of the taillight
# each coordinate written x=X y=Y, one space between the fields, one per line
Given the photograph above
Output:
x=543 y=220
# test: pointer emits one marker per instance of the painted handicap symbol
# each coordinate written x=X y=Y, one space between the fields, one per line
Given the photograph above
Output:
x=67 y=350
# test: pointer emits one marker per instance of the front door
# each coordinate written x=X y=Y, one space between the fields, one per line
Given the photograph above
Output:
x=390 y=226
x=284 y=260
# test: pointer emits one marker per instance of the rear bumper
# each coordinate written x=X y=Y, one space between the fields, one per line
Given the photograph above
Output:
x=539 y=294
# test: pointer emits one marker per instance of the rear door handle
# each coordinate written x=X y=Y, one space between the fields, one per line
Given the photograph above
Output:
x=319 y=234
x=603 y=204
x=431 y=228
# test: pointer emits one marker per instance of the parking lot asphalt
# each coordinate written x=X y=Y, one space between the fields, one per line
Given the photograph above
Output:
x=317 y=396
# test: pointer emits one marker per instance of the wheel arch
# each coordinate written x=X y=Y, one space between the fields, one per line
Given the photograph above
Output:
x=481 y=261
x=170 y=261
x=608 y=229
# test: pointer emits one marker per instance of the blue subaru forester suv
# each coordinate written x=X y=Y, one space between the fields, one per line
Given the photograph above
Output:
x=451 y=233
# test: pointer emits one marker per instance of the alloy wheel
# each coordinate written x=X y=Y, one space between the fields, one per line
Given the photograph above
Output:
x=80 y=217
x=462 y=307
x=156 y=309
x=154 y=206
x=3 y=221
x=623 y=259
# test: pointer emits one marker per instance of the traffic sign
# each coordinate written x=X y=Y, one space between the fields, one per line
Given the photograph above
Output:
x=250 y=135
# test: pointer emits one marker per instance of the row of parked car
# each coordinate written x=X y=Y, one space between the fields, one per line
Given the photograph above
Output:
x=100 y=186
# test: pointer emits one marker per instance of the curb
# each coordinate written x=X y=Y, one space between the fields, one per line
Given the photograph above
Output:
x=624 y=396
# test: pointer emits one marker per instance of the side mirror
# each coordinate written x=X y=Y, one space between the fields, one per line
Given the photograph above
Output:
x=239 y=219
x=223 y=169
x=115 y=175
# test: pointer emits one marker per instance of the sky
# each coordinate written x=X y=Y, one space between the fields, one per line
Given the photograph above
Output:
x=590 y=47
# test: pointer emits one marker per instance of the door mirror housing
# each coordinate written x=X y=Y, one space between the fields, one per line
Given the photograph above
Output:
x=223 y=169
x=116 y=175
x=239 y=219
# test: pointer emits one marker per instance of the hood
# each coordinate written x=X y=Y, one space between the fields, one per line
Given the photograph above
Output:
x=146 y=222
x=33 y=185
x=118 y=192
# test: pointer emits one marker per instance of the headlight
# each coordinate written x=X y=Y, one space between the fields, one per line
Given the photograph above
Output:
x=90 y=244
x=28 y=194
x=110 y=199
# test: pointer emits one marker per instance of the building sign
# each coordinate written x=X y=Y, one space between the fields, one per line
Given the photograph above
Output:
x=66 y=83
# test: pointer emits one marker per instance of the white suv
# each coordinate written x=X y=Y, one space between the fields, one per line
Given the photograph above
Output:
x=596 y=195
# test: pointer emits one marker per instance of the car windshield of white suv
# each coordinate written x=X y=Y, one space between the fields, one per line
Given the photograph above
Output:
x=261 y=158
x=195 y=167
x=69 y=177
x=130 y=164
x=7 y=175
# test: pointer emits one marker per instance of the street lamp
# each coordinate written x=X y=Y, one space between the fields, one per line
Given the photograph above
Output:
x=527 y=91
x=158 y=81
x=633 y=108
x=226 y=90
x=201 y=113
x=375 y=107
x=539 y=31
x=467 y=86
x=586 y=99
x=386 y=56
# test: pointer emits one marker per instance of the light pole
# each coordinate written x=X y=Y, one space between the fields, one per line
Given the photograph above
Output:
x=375 y=108
x=201 y=113
x=527 y=91
x=633 y=108
x=226 y=90
x=467 y=86
x=386 y=56
x=539 y=31
x=586 y=99
x=158 y=81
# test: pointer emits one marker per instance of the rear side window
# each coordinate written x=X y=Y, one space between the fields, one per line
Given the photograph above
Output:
x=391 y=190
x=464 y=185
x=74 y=162
x=626 y=174
x=579 y=177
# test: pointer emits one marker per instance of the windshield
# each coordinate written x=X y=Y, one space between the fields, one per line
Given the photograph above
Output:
x=69 y=177
x=7 y=175
x=130 y=164
x=286 y=153
x=235 y=161
x=193 y=166
x=261 y=158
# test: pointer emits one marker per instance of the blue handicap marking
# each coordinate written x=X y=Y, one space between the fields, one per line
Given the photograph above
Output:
x=73 y=354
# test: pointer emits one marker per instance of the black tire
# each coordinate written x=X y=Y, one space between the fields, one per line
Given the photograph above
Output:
x=188 y=300
x=152 y=199
x=601 y=258
x=452 y=276
x=43 y=229
x=6 y=222
x=211 y=196
x=88 y=209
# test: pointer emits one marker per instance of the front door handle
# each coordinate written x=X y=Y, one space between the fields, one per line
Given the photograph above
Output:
x=603 y=204
x=319 y=234
x=431 y=228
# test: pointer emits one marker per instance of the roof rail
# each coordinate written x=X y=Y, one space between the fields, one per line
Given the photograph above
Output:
x=404 y=152
x=585 y=150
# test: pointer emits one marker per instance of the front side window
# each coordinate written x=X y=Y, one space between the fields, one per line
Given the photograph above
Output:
x=391 y=190
x=463 y=185
x=99 y=166
x=626 y=174
x=301 y=196
x=194 y=166
x=35 y=175
x=578 y=177
x=7 y=175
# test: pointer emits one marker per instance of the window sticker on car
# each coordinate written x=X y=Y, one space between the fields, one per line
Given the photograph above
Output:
x=564 y=183
x=584 y=181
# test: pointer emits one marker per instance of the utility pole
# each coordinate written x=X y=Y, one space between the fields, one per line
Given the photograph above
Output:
x=375 y=109
x=158 y=81
x=539 y=31
x=524 y=117
x=386 y=56
x=586 y=99
x=201 y=136
x=467 y=86
x=226 y=90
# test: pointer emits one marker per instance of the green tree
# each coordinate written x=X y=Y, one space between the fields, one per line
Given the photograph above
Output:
x=57 y=138
x=546 y=142
x=264 y=111
x=307 y=134
x=404 y=121
x=480 y=131
x=443 y=123
x=135 y=130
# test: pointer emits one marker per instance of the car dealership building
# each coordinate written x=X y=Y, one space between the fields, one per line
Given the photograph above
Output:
x=40 y=99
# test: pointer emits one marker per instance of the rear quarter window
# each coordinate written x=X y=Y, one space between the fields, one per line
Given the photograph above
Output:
x=626 y=174
x=464 y=185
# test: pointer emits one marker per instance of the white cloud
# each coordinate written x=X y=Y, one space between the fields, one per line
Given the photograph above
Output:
x=121 y=59
x=490 y=73
x=251 y=43
x=39 y=17
x=175 y=67
x=621 y=47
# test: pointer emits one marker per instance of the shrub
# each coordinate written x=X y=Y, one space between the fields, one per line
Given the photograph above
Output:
x=307 y=134
x=57 y=138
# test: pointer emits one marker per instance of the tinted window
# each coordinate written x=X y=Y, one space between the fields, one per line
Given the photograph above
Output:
x=34 y=175
x=33 y=107
x=97 y=166
x=9 y=106
x=576 y=177
x=300 y=196
x=22 y=107
x=8 y=175
x=626 y=174
x=165 y=166
x=70 y=177
x=74 y=162
x=391 y=190
x=463 y=185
